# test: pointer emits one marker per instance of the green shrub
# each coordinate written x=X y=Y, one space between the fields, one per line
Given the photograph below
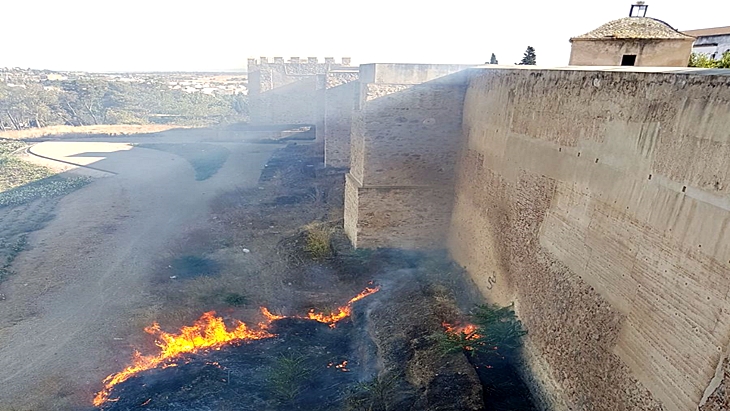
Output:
x=497 y=332
x=288 y=377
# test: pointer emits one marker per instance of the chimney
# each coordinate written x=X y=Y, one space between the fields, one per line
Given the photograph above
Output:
x=329 y=60
x=278 y=60
x=294 y=60
x=264 y=60
x=346 y=61
x=638 y=9
x=312 y=60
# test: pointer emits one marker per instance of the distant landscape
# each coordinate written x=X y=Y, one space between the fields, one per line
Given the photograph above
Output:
x=41 y=98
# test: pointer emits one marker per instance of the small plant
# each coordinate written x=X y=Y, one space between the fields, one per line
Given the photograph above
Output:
x=288 y=376
x=235 y=299
x=496 y=332
x=372 y=395
x=318 y=242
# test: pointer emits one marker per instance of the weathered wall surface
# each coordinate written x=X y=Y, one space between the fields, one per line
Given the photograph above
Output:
x=598 y=201
x=341 y=87
x=405 y=134
x=649 y=53
x=289 y=92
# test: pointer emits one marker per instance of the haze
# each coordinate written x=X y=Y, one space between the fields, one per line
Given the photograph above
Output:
x=136 y=35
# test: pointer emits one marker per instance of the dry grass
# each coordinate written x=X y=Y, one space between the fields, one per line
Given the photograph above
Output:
x=108 y=129
x=319 y=241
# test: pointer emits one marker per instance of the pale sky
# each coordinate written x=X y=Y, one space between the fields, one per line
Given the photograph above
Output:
x=163 y=35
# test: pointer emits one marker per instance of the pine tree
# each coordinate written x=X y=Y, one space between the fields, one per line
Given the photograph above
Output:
x=493 y=59
x=529 y=59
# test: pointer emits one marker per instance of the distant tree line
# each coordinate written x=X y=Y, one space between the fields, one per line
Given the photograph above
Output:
x=528 y=59
x=97 y=100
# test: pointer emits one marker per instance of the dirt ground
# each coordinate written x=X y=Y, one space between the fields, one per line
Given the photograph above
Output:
x=84 y=281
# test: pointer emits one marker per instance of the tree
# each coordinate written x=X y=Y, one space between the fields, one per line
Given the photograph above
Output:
x=493 y=59
x=705 y=61
x=529 y=59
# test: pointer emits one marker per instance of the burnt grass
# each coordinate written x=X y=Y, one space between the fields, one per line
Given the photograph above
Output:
x=393 y=360
x=253 y=376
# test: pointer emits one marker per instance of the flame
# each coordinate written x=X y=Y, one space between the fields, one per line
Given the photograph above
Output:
x=469 y=330
x=209 y=332
x=342 y=312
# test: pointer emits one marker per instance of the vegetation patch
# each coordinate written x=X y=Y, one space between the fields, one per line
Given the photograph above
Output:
x=492 y=343
x=206 y=159
x=318 y=241
x=14 y=250
x=22 y=182
x=288 y=377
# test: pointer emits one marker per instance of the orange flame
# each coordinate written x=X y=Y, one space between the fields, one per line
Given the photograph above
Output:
x=469 y=330
x=208 y=332
x=342 y=312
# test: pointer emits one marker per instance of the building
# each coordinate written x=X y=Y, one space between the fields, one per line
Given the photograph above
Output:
x=636 y=40
x=711 y=42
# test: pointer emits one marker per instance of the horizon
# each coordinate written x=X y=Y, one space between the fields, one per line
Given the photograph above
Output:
x=218 y=37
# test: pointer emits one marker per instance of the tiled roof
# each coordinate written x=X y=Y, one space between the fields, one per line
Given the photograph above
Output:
x=717 y=31
x=633 y=28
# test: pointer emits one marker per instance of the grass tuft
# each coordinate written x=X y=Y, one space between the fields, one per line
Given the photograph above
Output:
x=318 y=242
x=288 y=377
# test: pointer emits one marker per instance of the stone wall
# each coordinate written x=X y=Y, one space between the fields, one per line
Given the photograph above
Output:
x=649 y=53
x=598 y=201
x=290 y=92
x=340 y=90
x=405 y=135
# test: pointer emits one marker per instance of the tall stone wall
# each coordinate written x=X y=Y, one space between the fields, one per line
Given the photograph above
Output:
x=405 y=134
x=598 y=201
x=341 y=88
x=289 y=92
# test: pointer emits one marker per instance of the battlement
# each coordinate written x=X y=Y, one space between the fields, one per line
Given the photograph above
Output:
x=265 y=61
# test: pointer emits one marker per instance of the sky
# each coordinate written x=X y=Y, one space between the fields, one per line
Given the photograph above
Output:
x=211 y=35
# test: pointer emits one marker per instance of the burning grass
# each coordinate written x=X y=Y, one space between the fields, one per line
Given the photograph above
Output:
x=209 y=332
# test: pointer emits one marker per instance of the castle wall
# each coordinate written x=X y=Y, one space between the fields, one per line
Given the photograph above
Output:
x=289 y=92
x=598 y=201
x=340 y=90
x=405 y=134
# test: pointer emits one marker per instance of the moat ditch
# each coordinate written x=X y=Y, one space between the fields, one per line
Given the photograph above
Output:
x=411 y=345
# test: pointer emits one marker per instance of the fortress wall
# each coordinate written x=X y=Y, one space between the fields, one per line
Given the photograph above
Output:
x=598 y=201
x=340 y=91
x=405 y=134
x=289 y=92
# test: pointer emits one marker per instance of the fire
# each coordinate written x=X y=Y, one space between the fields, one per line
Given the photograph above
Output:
x=468 y=330
x=342 y=312
x=208 y=332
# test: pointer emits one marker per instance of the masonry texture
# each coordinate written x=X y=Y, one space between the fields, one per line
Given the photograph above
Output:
x=341 y=87
x=405 y=134
x=289 y=92
x=598 y=201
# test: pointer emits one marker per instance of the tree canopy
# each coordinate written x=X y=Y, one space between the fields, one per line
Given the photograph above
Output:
x=94 y=100
x=705 y=61
x=530 y=58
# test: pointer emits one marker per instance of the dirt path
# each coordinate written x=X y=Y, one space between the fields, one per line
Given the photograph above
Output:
x=83 y=281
